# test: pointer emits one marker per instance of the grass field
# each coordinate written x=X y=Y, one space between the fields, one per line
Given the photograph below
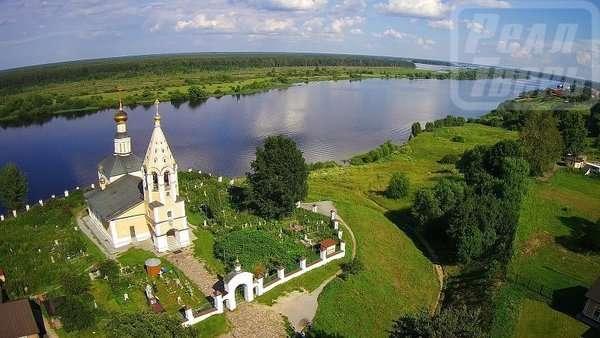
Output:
x=397 y=277
x=548 y=261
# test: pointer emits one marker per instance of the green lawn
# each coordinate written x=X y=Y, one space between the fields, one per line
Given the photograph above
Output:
x=39 y=245
x=398 y=278
x=536 y=319
x=546 y=255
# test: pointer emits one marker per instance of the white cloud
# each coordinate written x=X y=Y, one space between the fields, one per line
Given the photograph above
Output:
x=274 y=25
x=314 y=25
x=425 y=43
x=350 y=6
x=341 y=25
x=443 y=24
x=218 y=23
x=288 y=5
x=415 y=8
x=392 y=33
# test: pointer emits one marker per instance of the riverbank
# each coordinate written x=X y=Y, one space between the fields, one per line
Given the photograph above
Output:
x=35 y=103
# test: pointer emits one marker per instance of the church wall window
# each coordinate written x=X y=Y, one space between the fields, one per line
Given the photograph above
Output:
x=166 y=178
x=154 y=181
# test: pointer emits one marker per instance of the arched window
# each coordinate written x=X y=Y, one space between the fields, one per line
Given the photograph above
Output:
x=154 y=181
x=166 y=177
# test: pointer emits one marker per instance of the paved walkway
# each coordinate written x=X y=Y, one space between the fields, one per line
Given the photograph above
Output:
x=255 y=320
x=194 y=269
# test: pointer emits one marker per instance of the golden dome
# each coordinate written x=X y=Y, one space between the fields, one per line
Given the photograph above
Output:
x=120 y=116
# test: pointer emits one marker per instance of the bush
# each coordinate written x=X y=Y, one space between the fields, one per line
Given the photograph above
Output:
x=384 y=151
x=258 y=250
x=351 y=268
x=449 y=159
x=458 y=139
x=75 y=284
x=322 y=165
x=429 y=126
x=415 y=129
x=147 y=325
x=398 y=186
x=77 y=312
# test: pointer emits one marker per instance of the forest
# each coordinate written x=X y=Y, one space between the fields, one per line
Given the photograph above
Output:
x=13 y=80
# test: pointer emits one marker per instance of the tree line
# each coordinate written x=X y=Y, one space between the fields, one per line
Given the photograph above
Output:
x=14 y=79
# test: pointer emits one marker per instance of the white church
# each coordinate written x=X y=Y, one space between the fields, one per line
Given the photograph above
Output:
x=138 y=199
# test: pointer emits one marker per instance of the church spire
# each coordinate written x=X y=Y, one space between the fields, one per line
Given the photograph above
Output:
x=157 y=114
x=122 y=139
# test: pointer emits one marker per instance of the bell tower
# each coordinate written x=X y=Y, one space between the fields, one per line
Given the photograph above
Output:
x=165 y=209
x=122 y=139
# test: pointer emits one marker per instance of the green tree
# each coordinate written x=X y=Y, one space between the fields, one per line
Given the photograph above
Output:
x=415 y=129
x=74 y=284
x=146 y=324
x=593 y=124
x=398 y=186
x=573 y=130
x=425 y=207
x=429 y=126
x=542 y=142
x=77 y=312
x=13 y=187
x=452 y=322
x=278 y=178
x=196 y=94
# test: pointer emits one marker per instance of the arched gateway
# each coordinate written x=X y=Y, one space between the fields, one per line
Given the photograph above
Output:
x=235 y=279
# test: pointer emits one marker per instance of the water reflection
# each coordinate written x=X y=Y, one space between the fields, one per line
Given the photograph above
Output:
x=329 y=120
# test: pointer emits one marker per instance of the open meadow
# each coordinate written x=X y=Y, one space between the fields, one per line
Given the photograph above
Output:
x=398 y=277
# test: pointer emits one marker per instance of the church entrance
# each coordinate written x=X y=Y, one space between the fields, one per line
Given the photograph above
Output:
x=172 y=241
x=132 y=234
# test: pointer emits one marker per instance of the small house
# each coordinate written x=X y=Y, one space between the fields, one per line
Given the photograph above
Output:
x=328 y=245
x=591 y=310
x=21 y=318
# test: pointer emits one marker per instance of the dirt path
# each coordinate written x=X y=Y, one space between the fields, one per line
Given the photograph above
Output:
x=300 y=307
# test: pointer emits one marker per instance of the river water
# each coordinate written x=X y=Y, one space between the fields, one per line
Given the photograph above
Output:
x=329 y=121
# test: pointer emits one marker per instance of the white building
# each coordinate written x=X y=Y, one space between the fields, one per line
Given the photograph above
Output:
x=139 y=199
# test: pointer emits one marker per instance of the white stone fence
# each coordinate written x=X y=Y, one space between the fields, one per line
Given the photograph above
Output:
x=41 y=203
x=258 y=287
x=254 y=285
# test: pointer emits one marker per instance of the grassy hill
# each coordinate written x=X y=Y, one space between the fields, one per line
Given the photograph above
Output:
x=550 y=271
x=398 y=278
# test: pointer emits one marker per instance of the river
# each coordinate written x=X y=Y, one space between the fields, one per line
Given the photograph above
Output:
x=329 y=120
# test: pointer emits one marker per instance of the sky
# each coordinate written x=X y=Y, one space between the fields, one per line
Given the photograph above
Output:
x=554 y=36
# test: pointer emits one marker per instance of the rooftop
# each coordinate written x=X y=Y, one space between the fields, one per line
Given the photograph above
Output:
x=118 y=197
x=17 y=319
x=115 y=165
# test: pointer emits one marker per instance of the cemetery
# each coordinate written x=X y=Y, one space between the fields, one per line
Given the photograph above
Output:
x=260 y=245
x=137 y=286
